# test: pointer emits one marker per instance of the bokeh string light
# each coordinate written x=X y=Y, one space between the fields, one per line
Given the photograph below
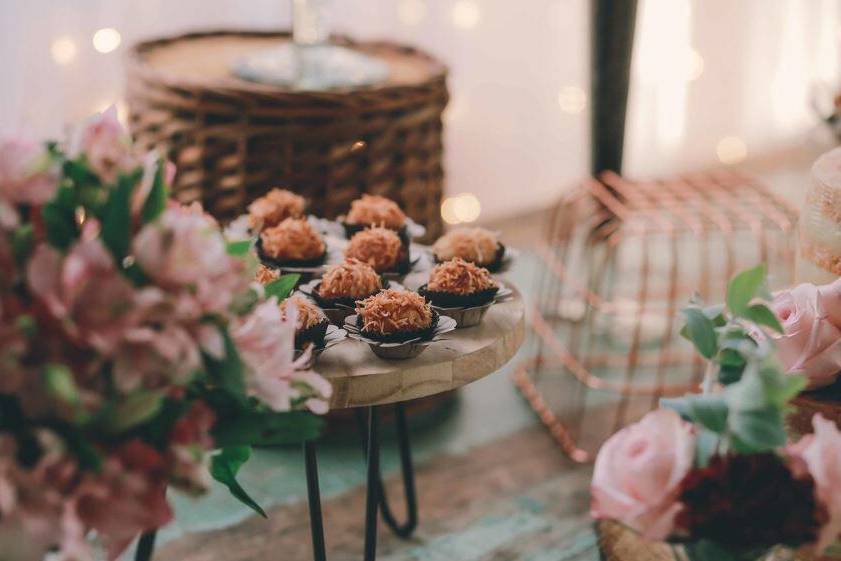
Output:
x=731 y=150
x=572 y=99
x=466 y=14
x=63 y=50
x=106 y=40
x=411 y=12
x=459 y=209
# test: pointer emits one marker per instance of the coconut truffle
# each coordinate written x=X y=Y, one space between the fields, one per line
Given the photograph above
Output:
x=458 y=276
x=274 y=207
x=380 y=248
x=265 y=275
x=476 y=245
x=352 y=278
x=309 y=314
x=394 y=311
x=374 y=210
x=294 y=239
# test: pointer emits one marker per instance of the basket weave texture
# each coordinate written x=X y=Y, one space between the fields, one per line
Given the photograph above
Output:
x=232 y=140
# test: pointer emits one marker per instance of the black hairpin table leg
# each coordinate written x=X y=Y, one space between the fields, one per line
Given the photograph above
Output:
x=314 y=497
x=145 y=546
x=375 y=499
x=405 y=529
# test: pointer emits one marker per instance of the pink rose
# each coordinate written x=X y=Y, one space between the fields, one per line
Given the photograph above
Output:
x=39 y=514
x=26 y=174
x=26 y=177
x=149 y=357
x=105 y=145
x=266 y=341
x=811 y=343
x=184 y=249
x=638 y=471
x=820 y=455
x=85 y=290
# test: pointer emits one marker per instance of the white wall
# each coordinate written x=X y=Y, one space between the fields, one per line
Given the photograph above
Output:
x=705 y=70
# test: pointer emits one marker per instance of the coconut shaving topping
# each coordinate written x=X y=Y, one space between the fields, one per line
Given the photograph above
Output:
x=375 y=210
x=274 y=207
x=352 y=278
x=378 y=247
x=392 y=311
x=265 y=275
x=292 y=239
x=477 y=245
x=458 y=276
x=308 y=313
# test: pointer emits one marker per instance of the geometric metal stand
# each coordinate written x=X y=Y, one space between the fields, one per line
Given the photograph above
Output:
x=619 y=261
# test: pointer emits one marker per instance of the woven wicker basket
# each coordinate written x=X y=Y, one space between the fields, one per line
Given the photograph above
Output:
x=232 y=139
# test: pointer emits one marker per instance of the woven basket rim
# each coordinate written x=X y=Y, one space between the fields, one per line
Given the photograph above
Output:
x=136 y=65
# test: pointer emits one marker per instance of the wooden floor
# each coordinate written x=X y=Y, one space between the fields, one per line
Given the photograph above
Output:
x=516 y=498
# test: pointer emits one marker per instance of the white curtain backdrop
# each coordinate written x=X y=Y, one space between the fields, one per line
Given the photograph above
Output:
x=714 y=80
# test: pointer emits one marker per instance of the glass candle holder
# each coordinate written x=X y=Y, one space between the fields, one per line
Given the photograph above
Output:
x=310 y=61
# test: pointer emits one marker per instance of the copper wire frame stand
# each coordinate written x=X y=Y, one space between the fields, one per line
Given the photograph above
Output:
x=619 y=260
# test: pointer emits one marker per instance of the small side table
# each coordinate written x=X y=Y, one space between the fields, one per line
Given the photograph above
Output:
x=367 y=383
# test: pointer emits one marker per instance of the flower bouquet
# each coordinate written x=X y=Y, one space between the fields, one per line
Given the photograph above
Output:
x=713 y=473
x=136 y=353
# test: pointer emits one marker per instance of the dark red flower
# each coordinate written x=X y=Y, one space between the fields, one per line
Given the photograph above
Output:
x=194 y=426
x=747 y=502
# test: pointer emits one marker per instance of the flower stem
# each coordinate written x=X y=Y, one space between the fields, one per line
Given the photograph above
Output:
x=709 y=377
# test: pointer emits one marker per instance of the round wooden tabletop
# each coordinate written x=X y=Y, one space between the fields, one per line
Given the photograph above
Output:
x=360 y=378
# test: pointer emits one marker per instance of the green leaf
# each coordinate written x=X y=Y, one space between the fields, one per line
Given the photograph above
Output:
x=156 y=201
x=80 y=445
x=116 y=220
x=743 y=288
x=134 y=410
x=705 y=550
x=716 y=314
x=282 y=287
x=27 y=325
x=267 y=428
x=135 y=274
x=240 y=247
x=23 y=240
x=762 y=315
x=757 y=430
x=59 y=216
x=61 y=384
x=710 y=411
x=224 y=468
x=706 y=446
x=701 y=332
x=227 y=373
x=244 y=302
x=731 y=362
x=780 y=388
